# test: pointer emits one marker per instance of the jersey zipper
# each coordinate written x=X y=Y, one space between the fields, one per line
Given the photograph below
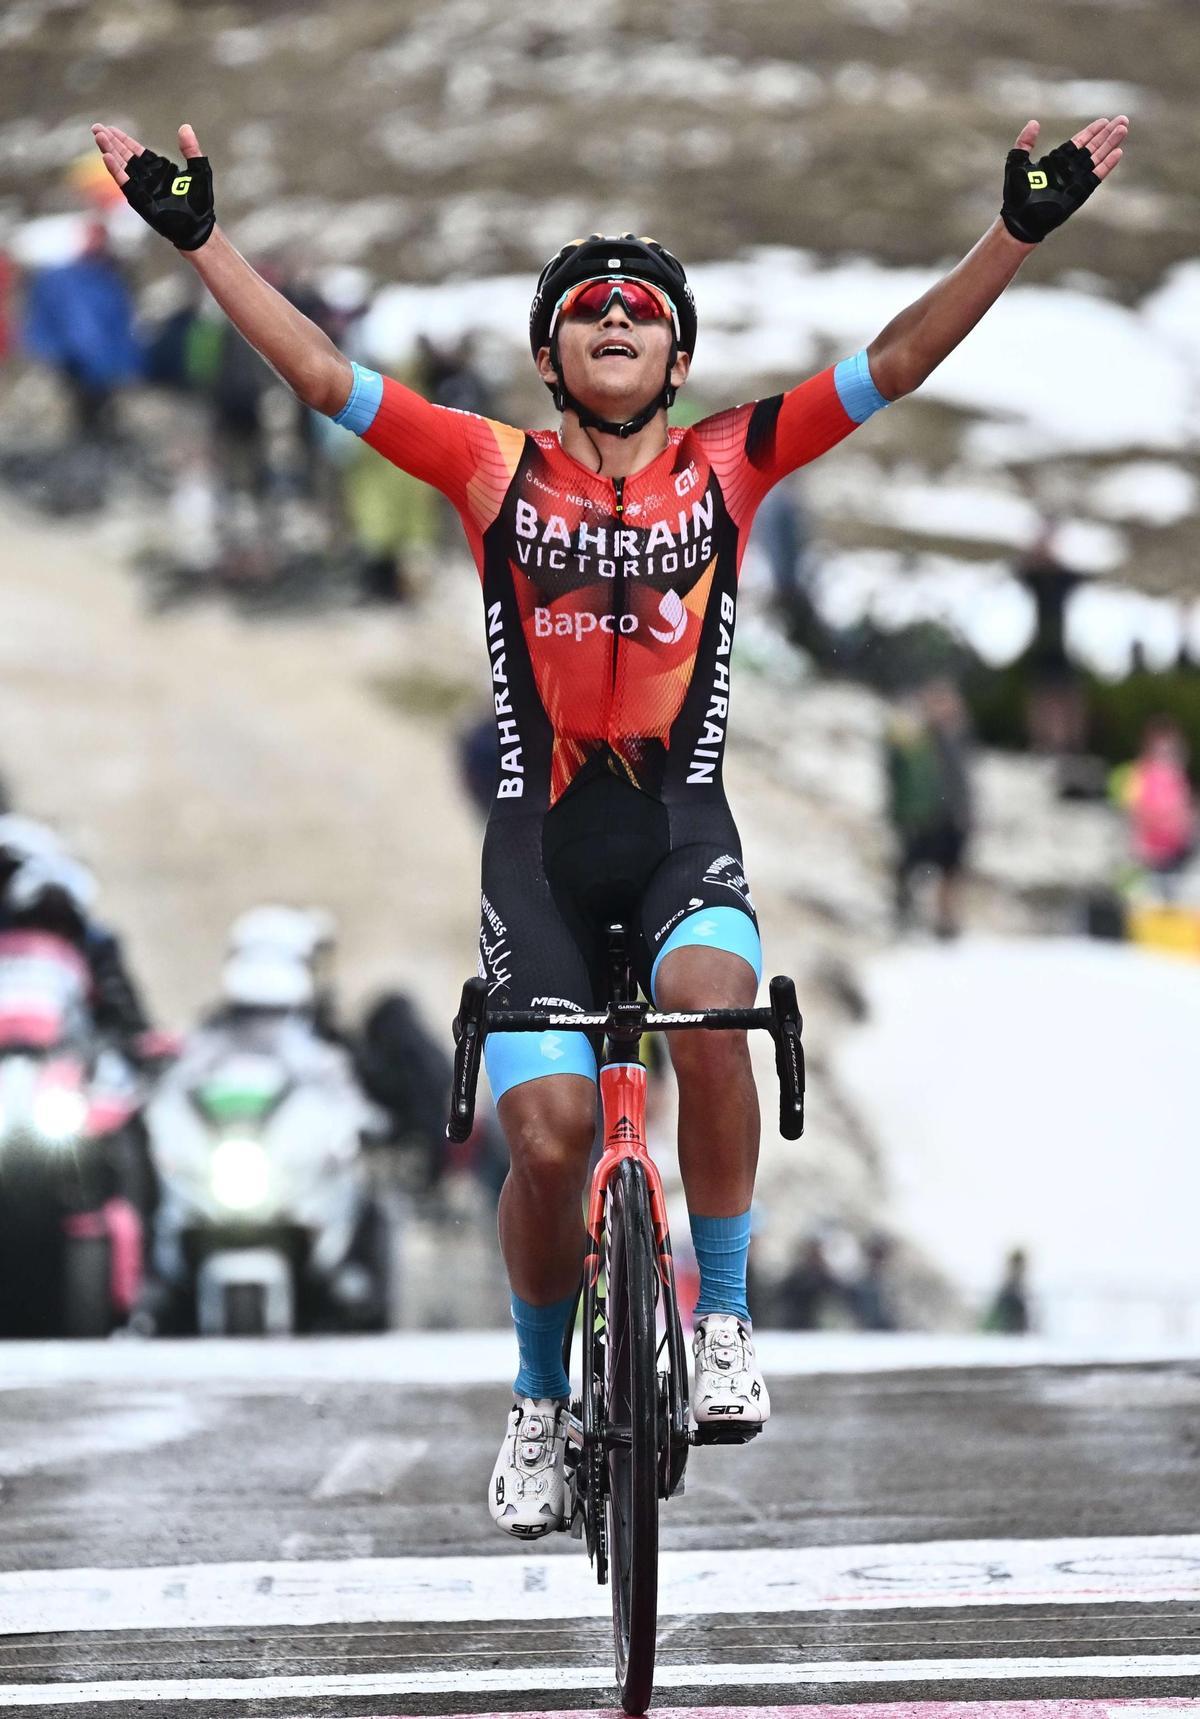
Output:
x=618 y=484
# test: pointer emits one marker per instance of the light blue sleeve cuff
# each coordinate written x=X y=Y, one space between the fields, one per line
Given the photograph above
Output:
x=856 y=388
x=358 y=414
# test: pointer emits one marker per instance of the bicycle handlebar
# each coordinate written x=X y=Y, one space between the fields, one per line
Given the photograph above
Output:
x=475 y=1021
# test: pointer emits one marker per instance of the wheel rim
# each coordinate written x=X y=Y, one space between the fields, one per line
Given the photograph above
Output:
x=631 y=1414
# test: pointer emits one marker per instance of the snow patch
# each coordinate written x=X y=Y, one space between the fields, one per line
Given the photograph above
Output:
x=1153 y=492
x=1041 y=1094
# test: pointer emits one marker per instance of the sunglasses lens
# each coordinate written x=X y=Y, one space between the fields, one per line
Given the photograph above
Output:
x=591 y=300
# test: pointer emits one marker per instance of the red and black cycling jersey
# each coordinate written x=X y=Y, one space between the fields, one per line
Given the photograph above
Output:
x=610 y=603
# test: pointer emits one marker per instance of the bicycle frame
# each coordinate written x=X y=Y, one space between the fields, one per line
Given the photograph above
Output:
x=593 y=1444
x=623 y=1111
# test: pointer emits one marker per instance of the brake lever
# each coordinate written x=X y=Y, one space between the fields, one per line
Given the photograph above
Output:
x=470 y=1030
x=787 y=1027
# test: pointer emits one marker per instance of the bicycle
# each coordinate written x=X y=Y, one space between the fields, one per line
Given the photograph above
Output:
x=628 y=1434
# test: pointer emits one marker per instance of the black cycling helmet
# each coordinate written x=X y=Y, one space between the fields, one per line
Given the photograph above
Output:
x=591 y=259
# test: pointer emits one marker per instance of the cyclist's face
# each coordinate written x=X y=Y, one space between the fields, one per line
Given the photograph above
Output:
x=612 y=363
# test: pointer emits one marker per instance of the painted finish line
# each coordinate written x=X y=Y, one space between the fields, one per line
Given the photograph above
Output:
x=1103 y=1709
x=505 y=1681
x=522 y=1588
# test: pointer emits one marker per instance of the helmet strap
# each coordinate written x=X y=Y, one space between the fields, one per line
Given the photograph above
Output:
x=565 y=401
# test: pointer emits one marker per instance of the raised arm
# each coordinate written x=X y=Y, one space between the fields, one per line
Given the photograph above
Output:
x=179 y=206
x=1038 y=196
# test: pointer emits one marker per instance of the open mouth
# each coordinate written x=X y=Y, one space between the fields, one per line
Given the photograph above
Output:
x=614 y=349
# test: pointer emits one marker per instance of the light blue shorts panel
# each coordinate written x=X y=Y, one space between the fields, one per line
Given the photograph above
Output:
x=514 y=1058
x=715 y=928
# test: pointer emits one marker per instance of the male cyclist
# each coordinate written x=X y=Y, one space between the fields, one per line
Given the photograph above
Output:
x=608 y=551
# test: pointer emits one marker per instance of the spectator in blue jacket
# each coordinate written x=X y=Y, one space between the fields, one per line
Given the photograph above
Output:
x=79 y=319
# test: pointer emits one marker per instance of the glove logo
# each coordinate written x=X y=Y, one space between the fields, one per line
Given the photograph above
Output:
x=1038 y=181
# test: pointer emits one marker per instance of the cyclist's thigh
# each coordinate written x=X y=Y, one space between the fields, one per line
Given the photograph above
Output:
x=530 y=959
x=699 y=897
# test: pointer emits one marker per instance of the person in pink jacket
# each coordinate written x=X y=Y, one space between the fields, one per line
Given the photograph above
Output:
x=1159 y=800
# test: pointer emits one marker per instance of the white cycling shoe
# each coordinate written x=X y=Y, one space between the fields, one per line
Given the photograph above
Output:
x=527 y=1496
x=729 y=1386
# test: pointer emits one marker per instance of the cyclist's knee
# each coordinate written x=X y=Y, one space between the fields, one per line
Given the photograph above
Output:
x=550 y=1126
x=693 y=977
x=710 y=1056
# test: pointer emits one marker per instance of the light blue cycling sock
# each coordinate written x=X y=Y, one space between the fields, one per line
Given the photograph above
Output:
x=722 y=1245
x=539 y=1341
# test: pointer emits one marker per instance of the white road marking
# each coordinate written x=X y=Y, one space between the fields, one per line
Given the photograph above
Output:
x=487 y=1358
x=844 y=1671
x=370 y=1467
x=523 y=1587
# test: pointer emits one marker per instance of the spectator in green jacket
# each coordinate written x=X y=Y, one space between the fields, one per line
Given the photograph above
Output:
x=927 y=759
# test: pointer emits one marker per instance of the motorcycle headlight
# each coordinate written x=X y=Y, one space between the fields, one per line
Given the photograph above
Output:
x=59 y=1115
x=240 y=1174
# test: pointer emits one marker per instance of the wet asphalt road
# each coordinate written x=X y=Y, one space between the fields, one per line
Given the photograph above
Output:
x=128 y=1475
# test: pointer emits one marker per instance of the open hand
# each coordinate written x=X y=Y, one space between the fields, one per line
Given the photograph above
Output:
x=1040 y=195
x=176 y=202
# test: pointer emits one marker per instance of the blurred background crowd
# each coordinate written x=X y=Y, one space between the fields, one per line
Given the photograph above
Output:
x=242 y=689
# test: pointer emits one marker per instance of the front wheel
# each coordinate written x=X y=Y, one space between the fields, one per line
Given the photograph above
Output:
x=631 y=1432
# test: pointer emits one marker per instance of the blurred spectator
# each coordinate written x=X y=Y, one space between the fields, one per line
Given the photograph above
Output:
x=79 y=320
x=406 y=1070
x=870 y=1294
x=449 y=377
x=393 y=523
x=1008 y=1313
x=6 y=286
x=1056 y=711
x=479 y=761
x=809 y=1291
x=1157 y=796
x=927 y=758
x=781 y=532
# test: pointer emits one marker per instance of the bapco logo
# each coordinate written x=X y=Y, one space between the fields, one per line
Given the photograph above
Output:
x=675 y=615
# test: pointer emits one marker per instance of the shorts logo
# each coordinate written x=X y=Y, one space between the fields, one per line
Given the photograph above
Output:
x=727 y=873
x=552 y=1046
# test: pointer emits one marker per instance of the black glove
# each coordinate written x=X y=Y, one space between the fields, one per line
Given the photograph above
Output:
x=1039 y=196
x=176 y=201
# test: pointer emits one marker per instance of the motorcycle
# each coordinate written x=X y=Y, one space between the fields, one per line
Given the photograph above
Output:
x=267 y=1223
x=70 y=1242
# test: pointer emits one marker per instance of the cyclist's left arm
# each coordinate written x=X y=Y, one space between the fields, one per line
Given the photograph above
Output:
x=755 y=446
x=1038 y=197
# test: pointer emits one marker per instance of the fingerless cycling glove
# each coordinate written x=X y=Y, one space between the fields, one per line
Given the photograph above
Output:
x=1040 y=195
x=176 y=201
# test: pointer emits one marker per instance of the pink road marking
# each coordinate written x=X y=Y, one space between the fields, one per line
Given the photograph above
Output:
x=1100 y=1709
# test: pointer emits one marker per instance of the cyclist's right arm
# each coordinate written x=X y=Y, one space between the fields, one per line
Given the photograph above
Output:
x=471 y=460
x=300 y=353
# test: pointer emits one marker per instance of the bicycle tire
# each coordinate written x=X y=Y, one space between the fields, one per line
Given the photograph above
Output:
x=631 y=1410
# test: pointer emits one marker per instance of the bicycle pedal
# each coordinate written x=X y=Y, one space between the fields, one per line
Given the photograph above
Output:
x=721 y=1432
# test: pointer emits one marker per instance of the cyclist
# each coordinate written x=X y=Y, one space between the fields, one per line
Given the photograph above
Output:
x=608 y=551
